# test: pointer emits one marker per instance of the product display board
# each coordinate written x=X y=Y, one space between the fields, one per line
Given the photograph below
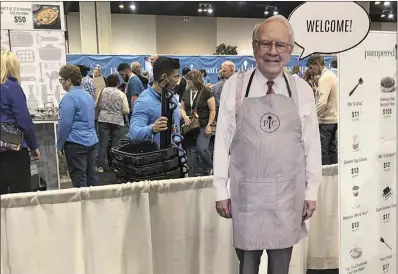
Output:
x=18 y=15
x=5 y=40
x=210 y=63
x=42 y=54
x=367 y=156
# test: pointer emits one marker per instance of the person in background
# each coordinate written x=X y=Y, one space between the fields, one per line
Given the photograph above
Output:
x=182 y=86
x=146 y=121
x=112 y=105
x=267 y=166
x=333 y=65
x=99 y=80
x=326 y=108
x=15 y=165
x=227 y=70
x=77 y=138
x=311 y=79
x=97 y=73
x=136 y=68
x=295 y=70
x=152 y=60
x=134 y=85
x=87 y=81
x=198 y=101
x=206 y=79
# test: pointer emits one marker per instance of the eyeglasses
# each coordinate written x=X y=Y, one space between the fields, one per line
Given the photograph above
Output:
x=280 y=47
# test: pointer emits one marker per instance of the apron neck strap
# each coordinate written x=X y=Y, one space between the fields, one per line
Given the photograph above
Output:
x=251 y=80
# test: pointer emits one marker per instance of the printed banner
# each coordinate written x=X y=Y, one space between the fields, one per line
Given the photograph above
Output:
x=211 y=63
x=32 y=15
x=367 y=156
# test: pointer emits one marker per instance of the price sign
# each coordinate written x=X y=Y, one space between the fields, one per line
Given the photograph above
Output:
x=20 y=15
x=355 y=115
x=355 y=226
x=387 y=111
x=387 y=165
x=386 y=267
x=386 y=217
x=355 y=171
x=20 y=20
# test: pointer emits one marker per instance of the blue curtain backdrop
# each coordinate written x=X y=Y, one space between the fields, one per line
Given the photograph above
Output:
x=211 y=63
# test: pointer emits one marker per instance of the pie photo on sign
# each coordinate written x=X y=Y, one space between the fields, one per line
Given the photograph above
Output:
x=47 y=16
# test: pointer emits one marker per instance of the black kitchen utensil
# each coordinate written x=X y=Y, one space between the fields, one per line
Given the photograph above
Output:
x=384 y=242
x=387 y=193
x=360 y=82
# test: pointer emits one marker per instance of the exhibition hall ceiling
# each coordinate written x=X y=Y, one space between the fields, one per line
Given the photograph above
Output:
x=379 y=11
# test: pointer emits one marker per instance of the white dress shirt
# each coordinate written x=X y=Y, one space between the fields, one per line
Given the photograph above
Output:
x=226 y=125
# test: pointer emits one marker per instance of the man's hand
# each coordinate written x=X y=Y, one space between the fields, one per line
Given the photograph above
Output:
x=309 y=209
x=208 y=130
x=187 y=121
x=36 y=154
x=224 y=208
x=160 y=125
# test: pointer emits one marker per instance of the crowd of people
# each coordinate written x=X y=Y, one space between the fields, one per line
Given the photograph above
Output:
x=117 y=110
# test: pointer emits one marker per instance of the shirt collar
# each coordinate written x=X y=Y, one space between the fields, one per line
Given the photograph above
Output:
x=278 y=81
x=154 y=92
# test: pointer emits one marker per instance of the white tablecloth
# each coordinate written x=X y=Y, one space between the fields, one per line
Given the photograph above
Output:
x=162 y=227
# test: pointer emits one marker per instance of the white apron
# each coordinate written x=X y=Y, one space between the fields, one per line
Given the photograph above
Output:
x=267 y=171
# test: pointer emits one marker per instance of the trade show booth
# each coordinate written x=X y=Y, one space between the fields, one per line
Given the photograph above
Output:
x=171 y=226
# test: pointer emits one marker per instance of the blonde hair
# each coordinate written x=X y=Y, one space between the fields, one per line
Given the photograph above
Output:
x=197 y=79
x=10 y=66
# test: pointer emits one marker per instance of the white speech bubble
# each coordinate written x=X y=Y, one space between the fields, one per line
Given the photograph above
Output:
x=329 y=27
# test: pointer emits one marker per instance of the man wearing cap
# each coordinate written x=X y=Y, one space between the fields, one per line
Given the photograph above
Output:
x=268 y=148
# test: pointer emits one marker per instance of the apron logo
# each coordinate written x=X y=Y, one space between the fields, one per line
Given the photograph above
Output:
x=269 y=122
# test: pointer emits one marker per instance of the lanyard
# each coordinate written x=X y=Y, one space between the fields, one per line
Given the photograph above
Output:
x=192 y=98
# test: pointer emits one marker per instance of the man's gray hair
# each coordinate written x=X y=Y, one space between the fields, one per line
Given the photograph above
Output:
x=279 y=18
x=229 y=64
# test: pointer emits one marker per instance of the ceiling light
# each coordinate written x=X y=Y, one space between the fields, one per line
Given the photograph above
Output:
x=121 y=6
x=200 y=10
x=276 y=12
x=383 y=15
x=391 y=16
x=210 y=10
x=266 y=12
x=386 y=3
x=377 y=2
x=132 y=6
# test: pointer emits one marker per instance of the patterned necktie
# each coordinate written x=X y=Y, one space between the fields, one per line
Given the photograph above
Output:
x=270 y=90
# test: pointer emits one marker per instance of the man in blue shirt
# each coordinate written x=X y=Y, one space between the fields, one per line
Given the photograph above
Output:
x=134 y=85
x=76 y=129
x=146 y=121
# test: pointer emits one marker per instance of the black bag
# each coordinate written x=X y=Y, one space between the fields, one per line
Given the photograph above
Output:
x=11 y=137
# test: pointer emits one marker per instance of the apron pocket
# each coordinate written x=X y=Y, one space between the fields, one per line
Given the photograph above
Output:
x=257 y=194
x=286 y=193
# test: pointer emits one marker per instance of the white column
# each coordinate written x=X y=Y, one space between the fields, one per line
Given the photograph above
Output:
x=104 y=27
x=88 y=27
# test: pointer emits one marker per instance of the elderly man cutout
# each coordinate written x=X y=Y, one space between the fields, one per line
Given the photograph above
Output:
x=268 y=147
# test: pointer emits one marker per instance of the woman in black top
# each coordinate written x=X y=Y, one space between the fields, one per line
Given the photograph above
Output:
x=198 y=100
